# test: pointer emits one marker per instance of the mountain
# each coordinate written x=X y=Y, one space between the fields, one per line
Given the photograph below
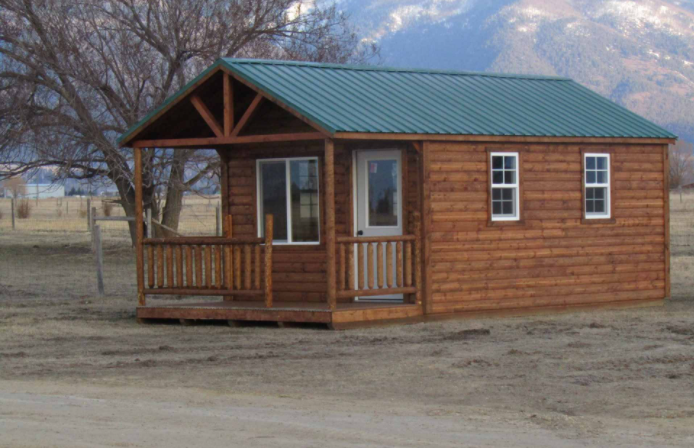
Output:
x=638 y=53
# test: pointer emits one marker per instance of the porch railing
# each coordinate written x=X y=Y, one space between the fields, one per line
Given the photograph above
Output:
x=373 y=266
x=210 y=265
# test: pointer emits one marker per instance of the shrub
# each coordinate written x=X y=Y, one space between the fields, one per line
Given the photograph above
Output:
x=23 y=209
x=83 y=214
x=108 y=208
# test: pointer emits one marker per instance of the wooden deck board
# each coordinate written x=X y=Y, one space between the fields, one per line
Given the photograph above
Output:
x=281 y=312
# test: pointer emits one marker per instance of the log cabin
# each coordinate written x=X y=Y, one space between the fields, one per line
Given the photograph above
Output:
x=358 y=195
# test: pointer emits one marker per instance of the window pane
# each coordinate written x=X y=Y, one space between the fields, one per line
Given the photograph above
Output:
x=602 y=163
x=496 y=194
x=510 y=162
x=304 y=200
x=497 y=162
x=507 y=194
x=600 y=206
x=590 y=193
x=273 y=185
x=590 y=208
x=383 y=193
x=590 y=177
x=496 y=208
x=590 y=163
x=602 y=177
x=510 y=177
x=498 y=177
x=599 y=193
x=507 y=207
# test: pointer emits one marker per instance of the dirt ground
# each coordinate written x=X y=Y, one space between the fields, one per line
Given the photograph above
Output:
x=78 y=371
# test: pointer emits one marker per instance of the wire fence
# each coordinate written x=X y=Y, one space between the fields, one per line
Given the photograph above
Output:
x=49 y=250
x=49 y=253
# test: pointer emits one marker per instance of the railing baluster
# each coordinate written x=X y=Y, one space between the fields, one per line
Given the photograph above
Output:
x=169 y=267
x=370 y=264
x=237 y=266
x=268 y=260
x=218 y=266
x=247 y=266
x=198 y=266
x=150 y=266
x=229 y=267
x=379 y=264
x=208 y=266
x=398 y=263
x=350 y=266
x=389 y=264
x=360 y=265
x=257 y=267
x=408 y=263
x=189 y=267
x=160 y=266
x=342 y=268
x=179 y=266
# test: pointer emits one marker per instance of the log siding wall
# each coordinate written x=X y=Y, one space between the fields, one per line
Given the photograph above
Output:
x=552 y=258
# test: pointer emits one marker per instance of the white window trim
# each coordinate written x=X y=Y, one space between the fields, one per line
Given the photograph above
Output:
x=608 y=199
x=514 y=187
x=258 y=196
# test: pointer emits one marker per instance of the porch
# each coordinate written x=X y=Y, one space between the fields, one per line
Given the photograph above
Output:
x=291 y=249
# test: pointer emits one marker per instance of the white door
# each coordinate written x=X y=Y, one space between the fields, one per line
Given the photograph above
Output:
x=378 y=201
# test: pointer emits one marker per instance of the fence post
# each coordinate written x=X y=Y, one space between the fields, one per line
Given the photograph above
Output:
x=96 y=238
x=218 y=221
x=93 y=224
x=12 y=204
x=89 y=213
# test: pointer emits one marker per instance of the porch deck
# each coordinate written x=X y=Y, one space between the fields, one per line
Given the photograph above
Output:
x=345 y=315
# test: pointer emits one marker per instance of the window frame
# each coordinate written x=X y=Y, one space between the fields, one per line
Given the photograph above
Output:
x=516 y=187
x=258 y=198
x=608 y=216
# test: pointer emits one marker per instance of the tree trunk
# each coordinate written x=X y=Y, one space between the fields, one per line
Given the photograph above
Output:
x=174 y=193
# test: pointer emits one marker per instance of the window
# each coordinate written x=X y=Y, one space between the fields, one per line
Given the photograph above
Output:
x=288 y=190
x=504 y=172
x=597 y=185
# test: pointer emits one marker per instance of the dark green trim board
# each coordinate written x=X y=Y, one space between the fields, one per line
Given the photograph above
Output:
x=364 y=99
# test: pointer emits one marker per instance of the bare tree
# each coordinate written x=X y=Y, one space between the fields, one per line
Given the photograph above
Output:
x=15 y=185
x=681 y=164
x=76 y=74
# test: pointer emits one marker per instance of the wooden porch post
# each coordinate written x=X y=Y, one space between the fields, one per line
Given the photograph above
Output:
x=330 y=221
x=139 y=228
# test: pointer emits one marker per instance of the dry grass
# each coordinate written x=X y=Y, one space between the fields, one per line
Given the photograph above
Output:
x=197 y=218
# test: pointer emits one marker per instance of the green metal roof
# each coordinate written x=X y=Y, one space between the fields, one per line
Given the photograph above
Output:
x=344 y=98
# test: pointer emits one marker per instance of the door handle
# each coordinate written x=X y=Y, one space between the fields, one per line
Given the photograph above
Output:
x=360 y=233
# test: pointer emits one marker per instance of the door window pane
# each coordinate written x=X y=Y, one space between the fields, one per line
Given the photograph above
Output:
x=273 y=193
x=304 y=201
x=382 y=193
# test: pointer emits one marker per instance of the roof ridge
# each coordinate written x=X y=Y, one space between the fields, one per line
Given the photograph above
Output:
x=375 y=68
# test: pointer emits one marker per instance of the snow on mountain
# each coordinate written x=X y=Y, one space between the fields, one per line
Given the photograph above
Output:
x=639 y=53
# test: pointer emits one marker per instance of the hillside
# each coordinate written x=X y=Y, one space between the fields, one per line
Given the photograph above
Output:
x=637 y=53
